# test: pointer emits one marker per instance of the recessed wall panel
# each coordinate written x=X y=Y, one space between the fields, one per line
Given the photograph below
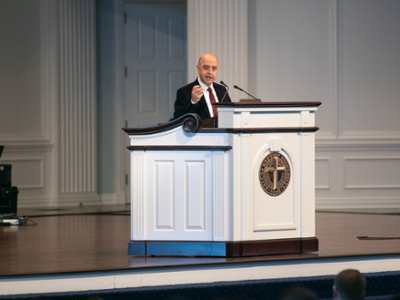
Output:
x=372 y=172
x=369 y=67
x=195 y=195
x=147 y=27
x=322 y=171
x=176 y=37
x=21 y=105
x=26 y=172
x=176 y=80
x=147 y=91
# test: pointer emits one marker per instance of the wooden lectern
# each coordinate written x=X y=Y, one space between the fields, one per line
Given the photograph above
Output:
x=246 y=187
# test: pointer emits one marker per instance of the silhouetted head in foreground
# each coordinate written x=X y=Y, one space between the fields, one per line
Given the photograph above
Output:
x=299 y=293
x=349 y=285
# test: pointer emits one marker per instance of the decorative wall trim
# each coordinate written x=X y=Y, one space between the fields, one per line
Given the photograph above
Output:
x=78 y=198
x=370 y=135
x=47 y=71
x=347 y=185
x=328 y=162
x=357 y=202
x=61 y=200
x=39 y=174
x=325 y=135
x=24 y=140
x=361 y=145
x=29 y=147
x=108 y=199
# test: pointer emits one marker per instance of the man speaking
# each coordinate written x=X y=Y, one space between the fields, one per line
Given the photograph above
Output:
x=198 y=96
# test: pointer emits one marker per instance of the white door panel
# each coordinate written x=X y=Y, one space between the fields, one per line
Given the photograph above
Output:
x=155 y=55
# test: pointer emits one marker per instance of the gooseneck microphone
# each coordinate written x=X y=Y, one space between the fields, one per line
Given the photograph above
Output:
x=238 y=88
x=226 y=92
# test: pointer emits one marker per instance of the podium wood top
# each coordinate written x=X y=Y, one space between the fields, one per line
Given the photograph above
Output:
x=193 y=123
x=267 y=104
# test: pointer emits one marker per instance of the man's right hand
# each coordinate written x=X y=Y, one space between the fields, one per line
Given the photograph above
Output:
x=197 y=93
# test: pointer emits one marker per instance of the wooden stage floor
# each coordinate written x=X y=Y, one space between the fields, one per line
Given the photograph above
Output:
x=95 y=238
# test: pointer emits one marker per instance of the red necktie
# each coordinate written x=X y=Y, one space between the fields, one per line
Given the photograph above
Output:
x=212 y=100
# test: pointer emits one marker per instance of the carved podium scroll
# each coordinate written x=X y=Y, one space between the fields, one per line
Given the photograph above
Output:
x=244 y=188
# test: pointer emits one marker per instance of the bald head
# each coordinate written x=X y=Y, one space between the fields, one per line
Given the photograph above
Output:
x=207 y=68
x=207 y=55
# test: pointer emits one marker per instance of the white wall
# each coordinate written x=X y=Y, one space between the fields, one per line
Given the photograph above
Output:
x=25 y=111
x=344 y=54
x=48 y=100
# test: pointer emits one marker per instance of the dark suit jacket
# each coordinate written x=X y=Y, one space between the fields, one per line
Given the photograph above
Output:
x=183 y=104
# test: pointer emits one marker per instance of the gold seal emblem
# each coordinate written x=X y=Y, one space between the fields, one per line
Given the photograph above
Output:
x=274 y=174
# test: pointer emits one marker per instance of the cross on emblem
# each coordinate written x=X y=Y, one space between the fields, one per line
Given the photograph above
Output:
x=275 y=170
x=274 y=174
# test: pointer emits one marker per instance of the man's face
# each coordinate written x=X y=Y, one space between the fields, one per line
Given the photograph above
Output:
x=208 y=68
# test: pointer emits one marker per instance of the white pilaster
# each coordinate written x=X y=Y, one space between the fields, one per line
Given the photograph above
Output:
x=220 y=27
x=77 y=97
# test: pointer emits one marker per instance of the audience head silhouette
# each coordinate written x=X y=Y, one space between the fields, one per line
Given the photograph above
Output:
x=349 y=285
x=299 y=293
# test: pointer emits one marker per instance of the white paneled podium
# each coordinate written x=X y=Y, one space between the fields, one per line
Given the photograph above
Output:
x=242 y=187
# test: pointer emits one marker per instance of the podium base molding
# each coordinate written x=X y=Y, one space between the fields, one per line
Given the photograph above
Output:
x=224 y=249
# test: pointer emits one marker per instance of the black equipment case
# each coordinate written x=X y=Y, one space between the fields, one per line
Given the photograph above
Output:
x=8 y=201
x=5 y=172
x=5 y=175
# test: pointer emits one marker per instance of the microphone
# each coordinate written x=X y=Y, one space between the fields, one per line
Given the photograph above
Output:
x=238 y=88
x=226 y=87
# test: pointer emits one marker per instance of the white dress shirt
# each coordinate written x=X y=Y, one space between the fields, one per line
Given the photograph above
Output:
x=207 y=96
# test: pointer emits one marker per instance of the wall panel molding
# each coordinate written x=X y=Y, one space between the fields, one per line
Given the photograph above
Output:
x=58 y=200
x=320 y=164
x=356 y=202
x=368 y=178
x=370 y=135
x=380 y=172
x=47 y=27
x=27 y=172
x=357 y=144
x=108 y=199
